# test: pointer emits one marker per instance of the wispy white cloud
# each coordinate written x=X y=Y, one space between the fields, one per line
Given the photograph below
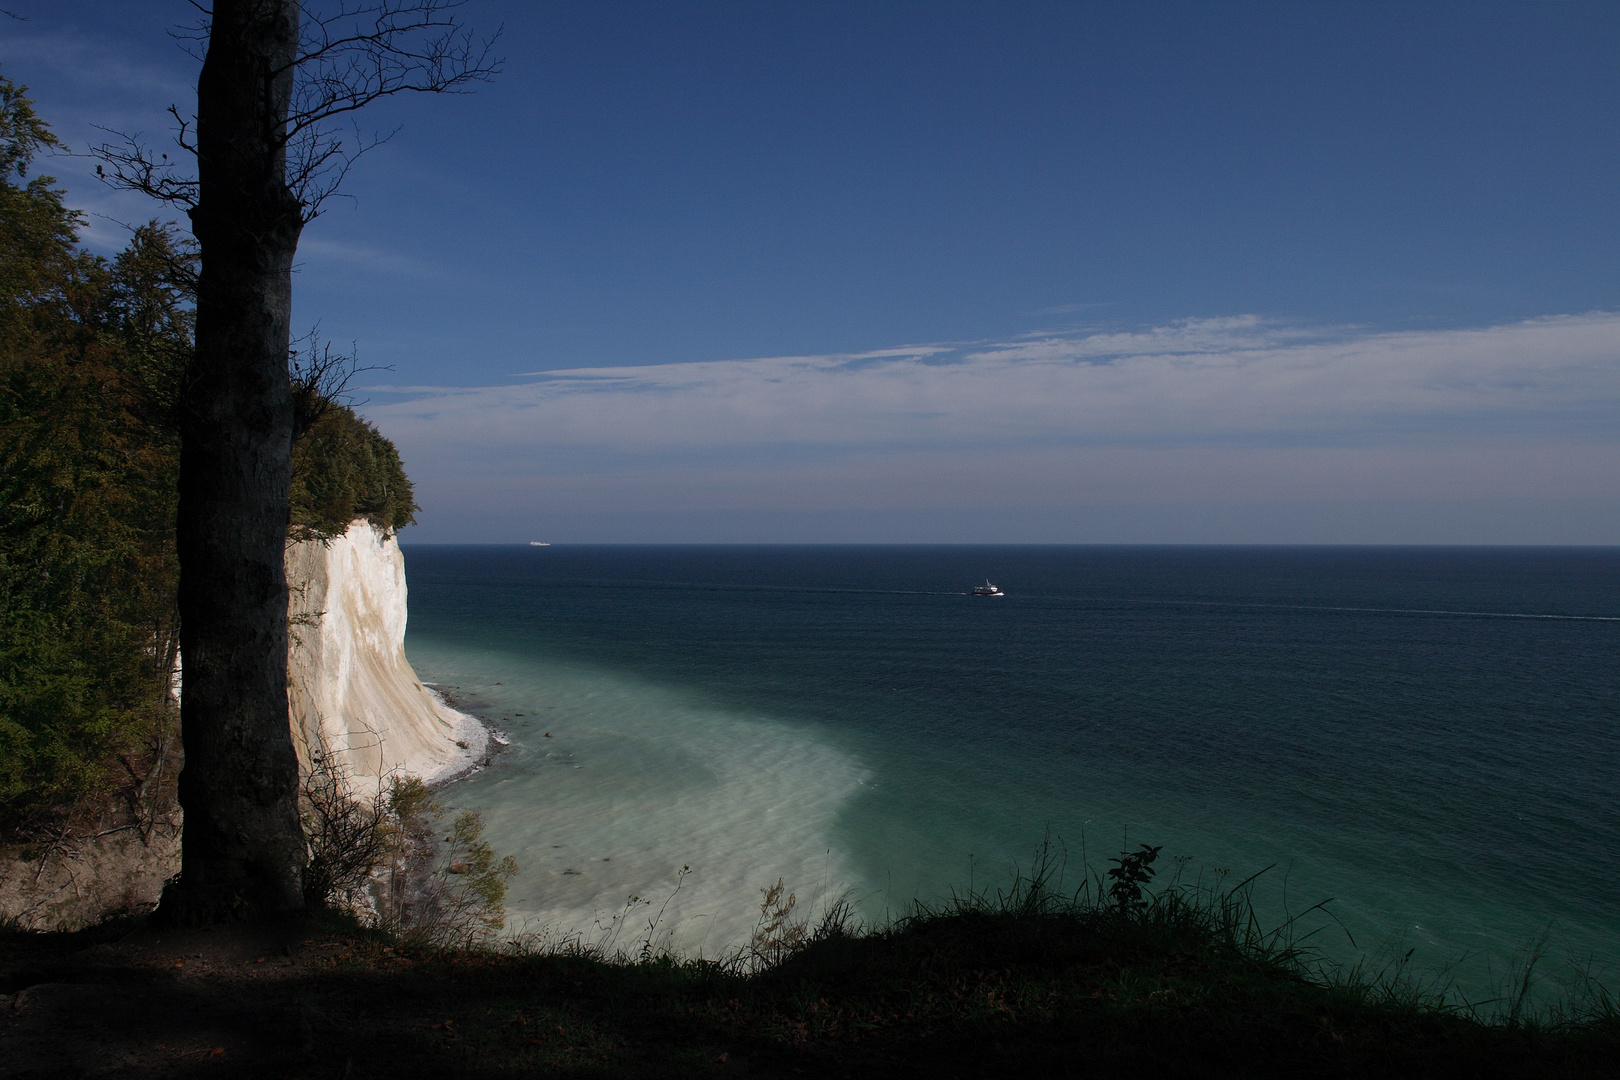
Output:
x=1237 y=379
x=319 y=253
x=1230 y=410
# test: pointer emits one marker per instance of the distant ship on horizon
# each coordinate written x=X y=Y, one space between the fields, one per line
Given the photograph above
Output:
x=539 y=543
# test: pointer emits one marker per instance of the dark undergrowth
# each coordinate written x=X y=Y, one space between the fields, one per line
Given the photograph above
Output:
x=1112 y=980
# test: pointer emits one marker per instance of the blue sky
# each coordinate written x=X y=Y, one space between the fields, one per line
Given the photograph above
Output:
x=934 y=272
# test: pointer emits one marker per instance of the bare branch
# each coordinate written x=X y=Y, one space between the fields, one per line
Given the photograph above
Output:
x=193 y=39
x=320 y=378
x=133 y=166
x=356 y=53
x=318 y=161
x=359 y=53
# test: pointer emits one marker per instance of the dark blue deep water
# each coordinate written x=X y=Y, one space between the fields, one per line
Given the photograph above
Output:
x=1430 y=737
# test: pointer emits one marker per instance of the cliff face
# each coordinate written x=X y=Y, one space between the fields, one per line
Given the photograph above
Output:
x=354 y=699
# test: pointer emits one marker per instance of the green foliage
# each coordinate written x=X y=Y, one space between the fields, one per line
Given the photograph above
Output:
x=93 y=361
x=22 y=134
x=445 y=893
x=382 y=861
x=1131 y=871
x=38 y=260
x=412 y=804
x=344 y=469
x=88 y=466
x=482 y=874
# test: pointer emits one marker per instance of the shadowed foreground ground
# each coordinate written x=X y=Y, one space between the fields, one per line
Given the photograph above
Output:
x=970 y=994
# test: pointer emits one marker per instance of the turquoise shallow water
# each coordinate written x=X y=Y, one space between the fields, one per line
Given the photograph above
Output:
x=1429 y=737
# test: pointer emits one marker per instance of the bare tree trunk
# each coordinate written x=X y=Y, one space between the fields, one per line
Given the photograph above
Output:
x=243 y=849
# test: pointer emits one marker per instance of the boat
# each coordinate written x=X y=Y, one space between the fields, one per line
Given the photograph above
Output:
x=987 y=589
x=539 y=543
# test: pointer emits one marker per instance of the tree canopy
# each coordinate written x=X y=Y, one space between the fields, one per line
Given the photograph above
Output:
x=93 y=358
x=90 y=349
x=344 y=469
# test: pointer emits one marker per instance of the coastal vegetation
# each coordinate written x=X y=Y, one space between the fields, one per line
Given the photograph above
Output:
x=91 y=352
x=1111 y=979
x=93 y=357
x=381 y=862
x=345 y=470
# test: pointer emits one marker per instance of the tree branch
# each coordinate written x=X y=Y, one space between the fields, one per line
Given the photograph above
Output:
x=135 y=167
x=320 y=378
x=357 y=53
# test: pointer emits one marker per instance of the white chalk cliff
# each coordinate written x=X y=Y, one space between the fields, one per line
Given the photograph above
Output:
x=354 y=699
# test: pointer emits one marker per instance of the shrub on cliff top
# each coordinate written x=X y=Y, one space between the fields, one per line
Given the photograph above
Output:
x=345 y=469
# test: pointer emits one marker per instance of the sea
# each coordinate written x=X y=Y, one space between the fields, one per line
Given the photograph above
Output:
x=1413 y=752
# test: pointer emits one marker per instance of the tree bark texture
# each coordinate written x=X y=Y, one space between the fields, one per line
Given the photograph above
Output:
x=243 y=848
